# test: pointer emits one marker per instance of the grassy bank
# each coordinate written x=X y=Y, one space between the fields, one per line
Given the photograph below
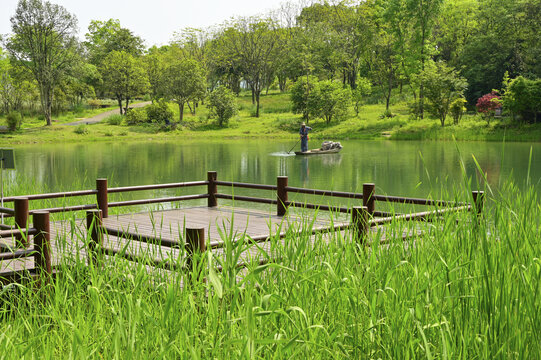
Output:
x=277 y=121
x=463 y=291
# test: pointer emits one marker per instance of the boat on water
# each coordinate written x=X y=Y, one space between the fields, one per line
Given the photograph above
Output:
x=328 y=147
x=318 y=151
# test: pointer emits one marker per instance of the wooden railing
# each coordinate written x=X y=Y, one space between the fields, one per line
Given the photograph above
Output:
x=362 y=217
x=41 y=251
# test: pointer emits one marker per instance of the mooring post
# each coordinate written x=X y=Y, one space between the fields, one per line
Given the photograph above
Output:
x=21 y=220
x=478 y=201
x=359 y=219
x=212 y=188
x=95 y=244
x=369 y=190
x=103 y=204
x=282 y=195
x=42 y=244
x=195 y=245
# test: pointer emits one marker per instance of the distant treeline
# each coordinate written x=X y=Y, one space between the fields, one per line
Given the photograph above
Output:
x=392 y=44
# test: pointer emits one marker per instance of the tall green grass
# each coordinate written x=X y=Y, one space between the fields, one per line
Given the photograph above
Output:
x=469 y=288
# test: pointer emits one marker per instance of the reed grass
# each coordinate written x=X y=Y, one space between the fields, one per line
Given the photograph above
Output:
x=469 y=288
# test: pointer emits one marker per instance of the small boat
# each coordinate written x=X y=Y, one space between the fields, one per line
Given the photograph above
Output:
x=318 y=151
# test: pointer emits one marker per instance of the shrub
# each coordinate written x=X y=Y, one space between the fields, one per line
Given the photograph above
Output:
x=136 y=117
x=14 y=121
x=81 y=130
x=222 y=104
x=487 y=105
x=329 y=100
x=115 y=119
x=457 y=109
x=523 y=97
x=159 y=112
x=300 y=93
x=94 y=103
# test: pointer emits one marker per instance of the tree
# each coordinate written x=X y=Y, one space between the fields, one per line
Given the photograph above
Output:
x=523 y=97
x=487 y=105
x=442 y=86
x=252 y=43
x=222 y=104
x=104 y=37
x=300 y=92
x=184 y=82
x=425 y=13
x=124 y=77
x=363 y=89
x=330 y=100
x=43 y=40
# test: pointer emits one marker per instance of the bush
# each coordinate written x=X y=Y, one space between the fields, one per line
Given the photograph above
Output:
x=136 y=117
x=523 y=97
x=457 y=109
x=159 y=112
x=222 y=104
x=487 y=105
x=81 y=130
x=115 y=119
x=94 y=103
x=14 y=121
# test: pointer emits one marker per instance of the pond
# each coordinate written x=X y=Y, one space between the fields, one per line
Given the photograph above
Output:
x=409 y=168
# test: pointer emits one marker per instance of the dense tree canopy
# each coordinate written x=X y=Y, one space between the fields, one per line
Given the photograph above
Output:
x=386 y=43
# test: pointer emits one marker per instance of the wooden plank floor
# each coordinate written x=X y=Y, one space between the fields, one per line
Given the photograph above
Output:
x=68 y=242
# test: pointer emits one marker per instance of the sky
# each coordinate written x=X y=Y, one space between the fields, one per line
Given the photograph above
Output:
x=153 y=20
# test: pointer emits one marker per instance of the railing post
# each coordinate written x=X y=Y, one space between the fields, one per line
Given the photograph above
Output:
x=42 y=243
x=478 y=201
x=282 y=195
x=212 y=188
x=195 y=244
x=103 y=204
x=21 y=219
x=95 y=244
x=359 y=219
x=369 y=190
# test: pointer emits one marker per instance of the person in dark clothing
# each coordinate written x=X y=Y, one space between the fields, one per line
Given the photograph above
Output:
x=304 y=136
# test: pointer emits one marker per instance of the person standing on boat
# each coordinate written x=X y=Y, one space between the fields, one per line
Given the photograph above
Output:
x=304 y=137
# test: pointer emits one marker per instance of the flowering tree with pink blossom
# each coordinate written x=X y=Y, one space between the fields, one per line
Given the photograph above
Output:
x=487 y=105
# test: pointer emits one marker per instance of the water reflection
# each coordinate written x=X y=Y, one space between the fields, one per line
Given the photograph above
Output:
x=399 y=168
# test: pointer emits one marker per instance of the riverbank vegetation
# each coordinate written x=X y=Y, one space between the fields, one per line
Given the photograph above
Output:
x=339 y=65
x=460 y=291
x=277 y=121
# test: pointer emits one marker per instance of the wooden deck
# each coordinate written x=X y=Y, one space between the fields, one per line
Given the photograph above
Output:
x=68 y=237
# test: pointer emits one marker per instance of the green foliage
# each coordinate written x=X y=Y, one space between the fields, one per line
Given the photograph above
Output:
x=14 y=121
x=523 y=97
x=136 y=116
x=159 y=112
x=43 y=41
x=94 y=103
x=457 y=109
x=222 y=104
x=363 y=89
x=124 y=77
x=329 y=100
x=115 y=119
x=184 y=82
x=442 y=85
x=81 y=129
x=300 y=93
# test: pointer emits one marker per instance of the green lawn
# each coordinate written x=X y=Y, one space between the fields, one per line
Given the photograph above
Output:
x=277 y=121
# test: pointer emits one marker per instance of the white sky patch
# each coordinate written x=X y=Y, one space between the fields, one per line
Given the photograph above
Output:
x=153 y=20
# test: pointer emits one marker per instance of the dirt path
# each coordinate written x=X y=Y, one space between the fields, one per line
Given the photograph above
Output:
x=100 y=117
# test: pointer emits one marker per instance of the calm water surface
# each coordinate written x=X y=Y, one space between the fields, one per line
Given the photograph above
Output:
x=398 y=168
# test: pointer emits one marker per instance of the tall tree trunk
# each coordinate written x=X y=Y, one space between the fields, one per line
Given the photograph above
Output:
x=181 y=111
x=257 y=93
x=119 y=100
x=421 y=86
x=46 y=102
x=253 y=95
